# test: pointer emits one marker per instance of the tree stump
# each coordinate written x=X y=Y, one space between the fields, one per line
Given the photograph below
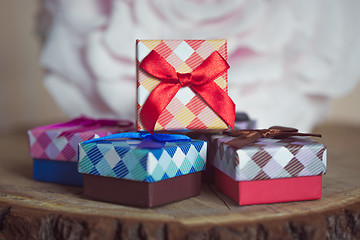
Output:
x=37 y=210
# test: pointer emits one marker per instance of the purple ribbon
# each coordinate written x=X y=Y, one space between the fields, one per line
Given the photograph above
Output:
x=84 y=124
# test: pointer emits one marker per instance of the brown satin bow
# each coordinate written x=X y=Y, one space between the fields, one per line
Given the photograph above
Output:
x=247 y=136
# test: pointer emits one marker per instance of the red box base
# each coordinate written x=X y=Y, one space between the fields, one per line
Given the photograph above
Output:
x=269 y=191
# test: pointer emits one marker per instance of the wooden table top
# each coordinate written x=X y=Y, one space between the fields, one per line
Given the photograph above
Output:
x=37 y=210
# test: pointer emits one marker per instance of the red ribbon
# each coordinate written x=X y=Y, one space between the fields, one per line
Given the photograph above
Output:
x=200 y=80
x=247 y=136
x=84 y=124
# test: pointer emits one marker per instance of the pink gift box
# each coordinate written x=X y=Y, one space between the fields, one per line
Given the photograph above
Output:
x=60 y=141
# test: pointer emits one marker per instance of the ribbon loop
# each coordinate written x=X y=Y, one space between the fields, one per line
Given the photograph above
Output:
x=247 y=136
x=200 y=80
x=84 y=124
x=158 y=137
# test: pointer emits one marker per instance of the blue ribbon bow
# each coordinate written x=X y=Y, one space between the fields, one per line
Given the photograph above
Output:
x=158 y=137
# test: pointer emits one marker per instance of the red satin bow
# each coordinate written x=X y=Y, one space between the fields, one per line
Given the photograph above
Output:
x=200 y=80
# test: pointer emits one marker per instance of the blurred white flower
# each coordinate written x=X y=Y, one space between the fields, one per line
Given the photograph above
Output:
x=287 y=58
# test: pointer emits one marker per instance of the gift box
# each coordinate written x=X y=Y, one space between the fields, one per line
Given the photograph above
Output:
x=260 y=166
x=54 y=148
x=242 y=121
x=182 y=84
x=140 y=169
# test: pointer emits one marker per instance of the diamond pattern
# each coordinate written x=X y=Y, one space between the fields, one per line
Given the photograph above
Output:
x=164 y=164
x=176 y=107
x=174 y=124
x=44 y=140
x=205 y=50
x=196 y=124
x=283 y=155
x=184 y=95
x=207 y=116
x=244 y=159
x=128 y=160
x=195 y=106
x=261 y=175
x=194 y=60
x=144 y=93
x=119 y=169
x=178 y=157
x=185 y=116
x=113 y=157
x=261 y=158
x=171 y=44
x=270 y=158
x=294 y=167
x=272 y=168
x=184 y=56
x=46 y=144
x=195 y=44
x=183 y=51
x=165 y=118
x=142 y=51
x=103 y=167
x=52 y=151
x=164 y=49
x=174 y=60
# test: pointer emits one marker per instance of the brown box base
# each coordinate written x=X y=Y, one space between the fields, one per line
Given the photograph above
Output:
x=142 y=194
x=209 y=174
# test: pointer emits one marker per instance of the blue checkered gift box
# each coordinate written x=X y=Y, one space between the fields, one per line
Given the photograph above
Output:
x=142 y=156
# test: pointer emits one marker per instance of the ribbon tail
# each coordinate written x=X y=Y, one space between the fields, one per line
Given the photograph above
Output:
x=115 y=136
x=300 y=134
x=218 y=100
x=238 y=142
x=75 y=122
x=284 y=129
x=157 y=101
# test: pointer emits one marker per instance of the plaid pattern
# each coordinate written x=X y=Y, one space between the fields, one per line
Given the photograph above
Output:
x=127 y=159
x=186 y=110
x=270 y=158
x=45 y=144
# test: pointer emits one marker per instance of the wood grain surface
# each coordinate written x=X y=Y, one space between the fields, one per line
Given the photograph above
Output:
x=37 y=210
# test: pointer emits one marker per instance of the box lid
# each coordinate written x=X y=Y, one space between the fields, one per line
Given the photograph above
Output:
x=51 y=143
x=269 y=158
x=142 y=160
